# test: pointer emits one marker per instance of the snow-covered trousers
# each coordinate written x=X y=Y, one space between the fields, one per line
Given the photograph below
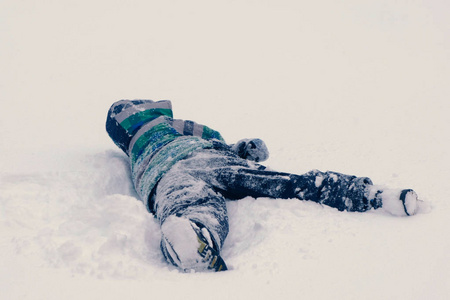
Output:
x=197 y=188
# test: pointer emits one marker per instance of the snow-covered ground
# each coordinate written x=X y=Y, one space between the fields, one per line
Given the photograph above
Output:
x=360 y=87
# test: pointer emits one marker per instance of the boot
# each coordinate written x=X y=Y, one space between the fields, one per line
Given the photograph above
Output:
x=189 y=246
x=395 y=201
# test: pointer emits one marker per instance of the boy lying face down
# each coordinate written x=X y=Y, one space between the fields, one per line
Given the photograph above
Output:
x=184 y=173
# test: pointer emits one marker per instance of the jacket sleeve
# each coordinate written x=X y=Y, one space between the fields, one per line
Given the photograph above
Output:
x=126 y=117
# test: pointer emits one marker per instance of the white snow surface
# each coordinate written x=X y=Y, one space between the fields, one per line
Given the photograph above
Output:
x=358 y=87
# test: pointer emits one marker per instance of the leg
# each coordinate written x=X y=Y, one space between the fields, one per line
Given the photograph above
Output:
x=194 y=221
x=236 y=178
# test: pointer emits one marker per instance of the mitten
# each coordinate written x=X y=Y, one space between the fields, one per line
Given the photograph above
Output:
x=251 y=149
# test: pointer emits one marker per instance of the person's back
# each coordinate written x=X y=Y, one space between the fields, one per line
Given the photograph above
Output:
x=146 y=131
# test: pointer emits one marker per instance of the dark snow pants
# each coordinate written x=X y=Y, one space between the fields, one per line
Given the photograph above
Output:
x=197 y=188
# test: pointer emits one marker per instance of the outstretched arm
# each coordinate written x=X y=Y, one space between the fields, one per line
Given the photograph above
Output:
x=251 y=149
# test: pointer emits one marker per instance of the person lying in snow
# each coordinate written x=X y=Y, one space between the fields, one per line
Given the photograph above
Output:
x=184 y=173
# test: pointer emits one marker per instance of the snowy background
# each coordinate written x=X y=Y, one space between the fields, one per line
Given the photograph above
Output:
x=359 y=87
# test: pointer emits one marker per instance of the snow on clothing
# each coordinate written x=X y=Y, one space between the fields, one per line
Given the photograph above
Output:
x=146 y=131
x=184 y=169
x=197 y=188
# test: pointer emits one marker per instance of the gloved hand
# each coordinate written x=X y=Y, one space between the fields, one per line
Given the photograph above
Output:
x=251 y=149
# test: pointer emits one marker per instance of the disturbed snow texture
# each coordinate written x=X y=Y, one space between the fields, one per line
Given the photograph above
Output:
x=360 y=88
x=84 y=224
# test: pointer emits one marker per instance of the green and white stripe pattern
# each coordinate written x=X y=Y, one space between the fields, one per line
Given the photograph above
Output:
x=157 y=140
